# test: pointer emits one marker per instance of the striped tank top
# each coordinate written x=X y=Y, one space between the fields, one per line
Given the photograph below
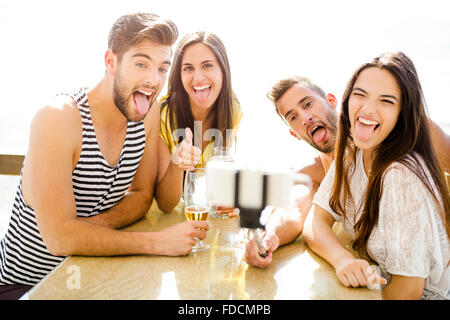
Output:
x=24 y=258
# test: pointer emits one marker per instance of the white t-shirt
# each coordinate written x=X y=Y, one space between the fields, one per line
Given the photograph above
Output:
x=409 y=238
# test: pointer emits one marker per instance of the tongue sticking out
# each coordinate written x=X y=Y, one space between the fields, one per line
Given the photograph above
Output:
x=319 y=135
x=142 y=103
x=202 y=94
x=364 y=132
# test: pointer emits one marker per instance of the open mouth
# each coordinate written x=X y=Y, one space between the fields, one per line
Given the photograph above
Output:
x=365 y=128
x=318 y=133
x=202 y=92
x=142 y=100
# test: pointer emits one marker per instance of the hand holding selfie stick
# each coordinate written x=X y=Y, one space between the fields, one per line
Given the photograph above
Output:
x=249 y=191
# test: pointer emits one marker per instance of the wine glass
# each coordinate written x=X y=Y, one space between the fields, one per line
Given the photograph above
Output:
x=196 y=205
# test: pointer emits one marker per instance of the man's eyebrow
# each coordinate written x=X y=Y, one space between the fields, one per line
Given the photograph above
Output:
x=303 y=99
x=300 y=102
x=288 y=113
x=146 y=56
x=383 y=95
x=143 y=55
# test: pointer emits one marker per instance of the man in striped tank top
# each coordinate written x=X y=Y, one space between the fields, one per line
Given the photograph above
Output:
x=92 y=165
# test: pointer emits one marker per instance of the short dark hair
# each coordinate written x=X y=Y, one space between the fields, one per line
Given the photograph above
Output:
x=130 y=29
x=280 y=88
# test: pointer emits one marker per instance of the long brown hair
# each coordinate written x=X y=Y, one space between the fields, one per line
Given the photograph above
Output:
x=226 y=106
x=410 y=137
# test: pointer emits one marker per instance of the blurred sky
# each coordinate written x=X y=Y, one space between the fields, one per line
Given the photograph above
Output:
x=49 y=46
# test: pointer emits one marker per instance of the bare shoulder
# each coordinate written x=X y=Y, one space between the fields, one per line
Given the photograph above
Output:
x=441 y=143
x=314 y=169
x=60 y=119
x=439 y=136
x=55 y=140
x=60 y=111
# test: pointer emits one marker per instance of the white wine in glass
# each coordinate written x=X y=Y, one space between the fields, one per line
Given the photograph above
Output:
x=196 y=205
x=196 y=213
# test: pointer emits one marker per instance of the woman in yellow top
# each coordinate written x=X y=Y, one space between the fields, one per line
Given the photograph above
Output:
x=199 y=112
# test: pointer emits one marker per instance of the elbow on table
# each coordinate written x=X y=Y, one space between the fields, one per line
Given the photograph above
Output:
x=308 y=234
x=148 y=201
x=57 y=252
x=57 y=248
x=167 y=201
x=311 y=238
x=166 y=207
x=290 y=232
x=59 y=241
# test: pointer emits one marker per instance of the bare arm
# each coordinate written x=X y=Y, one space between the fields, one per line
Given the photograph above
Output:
x=320 y=237
x=48 y=179
x=289 y=225
x=170 y=180
x=404 y=288
x=170 y=171
x=285 y=225
x=441 y=143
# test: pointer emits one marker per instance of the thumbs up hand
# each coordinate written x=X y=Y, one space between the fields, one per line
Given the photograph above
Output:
x=186 y=156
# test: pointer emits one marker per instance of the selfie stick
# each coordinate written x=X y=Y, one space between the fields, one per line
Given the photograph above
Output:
x=250 y=217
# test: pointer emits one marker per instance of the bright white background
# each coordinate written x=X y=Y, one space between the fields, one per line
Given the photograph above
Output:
x=49 y=46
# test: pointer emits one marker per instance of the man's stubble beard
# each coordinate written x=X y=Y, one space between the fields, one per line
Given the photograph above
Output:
x=331 y=128
x=122 y=104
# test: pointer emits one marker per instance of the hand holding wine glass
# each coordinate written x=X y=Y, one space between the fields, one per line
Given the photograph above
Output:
x=177 y=239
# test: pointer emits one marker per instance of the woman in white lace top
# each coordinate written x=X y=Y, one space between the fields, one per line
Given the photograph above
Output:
x=386 y=186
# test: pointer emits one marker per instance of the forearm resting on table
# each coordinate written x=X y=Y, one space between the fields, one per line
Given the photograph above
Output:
x=320 y=237
x=286 y=224
x=133 y=206
x=169 y=189
x=76 y=237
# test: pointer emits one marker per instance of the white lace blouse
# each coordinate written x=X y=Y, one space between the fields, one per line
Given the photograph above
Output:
x=409 y=238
